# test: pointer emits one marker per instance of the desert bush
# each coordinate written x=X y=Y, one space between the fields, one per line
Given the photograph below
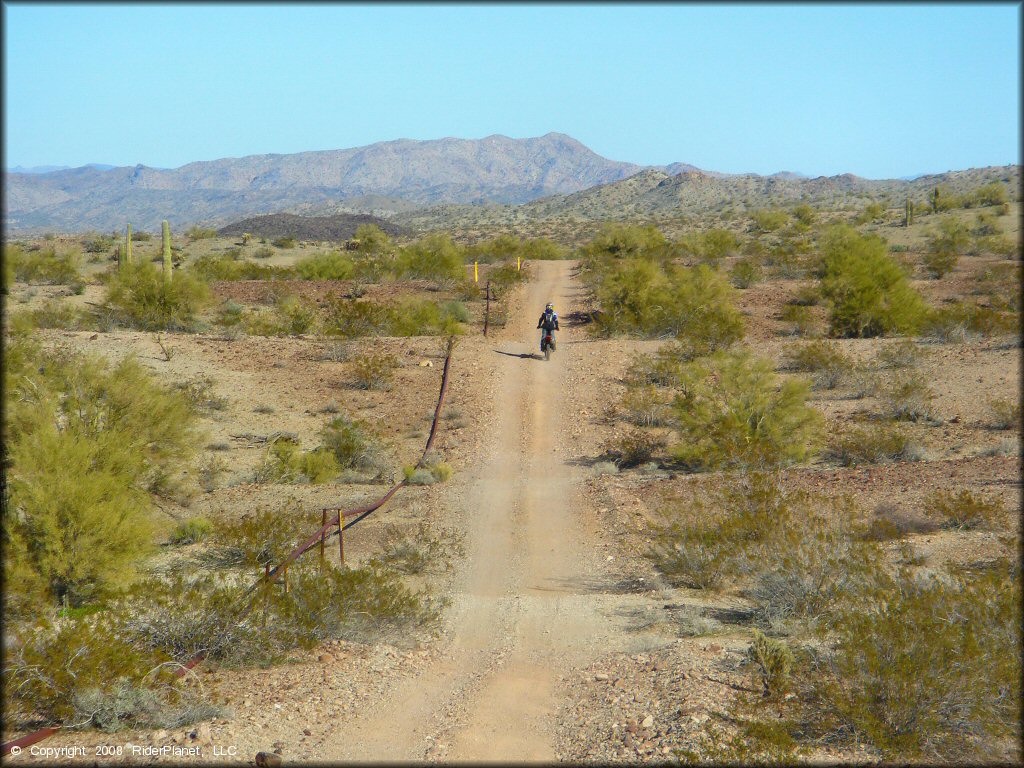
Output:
x=873 y=444
x=623 y=241
x=634 y=448
x=958 y=321
x=774 y=662
x=286 y=462
x=333 y=265
x=353 y=444
x=54 y=313
x=352 y=318
x=1004 y=413
x=374 y=371
x=191 y=531
x=85 y=442
x=963 y=511
x=966 y=633
x=802 y=317
x=427 y=473
x=891 y=521
x=693 y=305
x=433 y=257
x=96 y=243
x=265 y=536
x=199 y=393
x=214 y=267
x=509 y=247
x=733 y=411
x=646 y=406
x=45 y=266
x=903 y=354
x=503 y=278
x=710 y=246
x=908 y=397
x=873 y=211
x=946 y=244
x=200 y=233
x=867 y=290
x=263 y=252
x=745 y=273
x=56 y=669
x=990 y=194
x=662 y=370
x=824 y=360
x=805 y=214
x=284 y=242
x=419 y=550
x=138 y=296
x=769 y=220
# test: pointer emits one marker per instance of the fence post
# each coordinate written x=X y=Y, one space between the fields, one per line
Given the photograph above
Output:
x=286 y=587
x=487 y=310
x=266 y=587
x=341 y=537
x=323 y=536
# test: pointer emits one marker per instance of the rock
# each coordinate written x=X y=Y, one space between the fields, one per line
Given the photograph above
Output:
x=278 y=745
x=631 y=726
x=600 y=676
x=426 y=364
x=647 y=722
x=306 y=732
x=267 y=760
x=715 y=648
x=94 y=337
x=325 y=658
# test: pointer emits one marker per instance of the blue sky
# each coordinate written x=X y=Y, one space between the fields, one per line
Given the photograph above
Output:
x=878 y=90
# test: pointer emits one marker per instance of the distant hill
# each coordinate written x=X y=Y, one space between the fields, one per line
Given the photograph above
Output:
x=330 y=228
x=495 y=169
x=653 y=193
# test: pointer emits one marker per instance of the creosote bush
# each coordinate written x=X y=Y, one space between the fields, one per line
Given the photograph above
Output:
x=824 y=360
x=420 y=550
x=963 y=511
x=1004 y=413
x=872 y=444
x=45 y=266
x=908 y=397
x=286 y=462
x=374 y=370
x=190 y=531
x=333 y=265
x=353 y=444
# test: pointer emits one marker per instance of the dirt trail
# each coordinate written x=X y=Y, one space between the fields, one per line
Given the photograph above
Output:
x=525 y=610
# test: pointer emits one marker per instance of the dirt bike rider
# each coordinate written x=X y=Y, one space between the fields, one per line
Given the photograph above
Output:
x=548 y=324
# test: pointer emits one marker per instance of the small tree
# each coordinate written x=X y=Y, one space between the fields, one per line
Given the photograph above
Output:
x=945 y=246
x=868 y=290
x=734 y=411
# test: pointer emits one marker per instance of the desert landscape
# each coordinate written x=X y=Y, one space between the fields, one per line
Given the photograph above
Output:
x=762 y=504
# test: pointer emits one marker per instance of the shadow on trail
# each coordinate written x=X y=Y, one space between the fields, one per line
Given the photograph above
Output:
x=522 y=355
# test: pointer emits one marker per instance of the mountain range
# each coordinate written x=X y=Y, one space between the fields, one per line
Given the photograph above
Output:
x=417 y=183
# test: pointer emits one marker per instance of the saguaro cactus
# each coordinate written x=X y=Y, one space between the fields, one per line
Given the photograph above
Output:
x=909 y=217
x=935 y=200
x=168 y=264
x=128 y=245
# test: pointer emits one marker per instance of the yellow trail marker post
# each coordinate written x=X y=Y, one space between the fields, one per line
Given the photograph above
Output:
x=519 y=263
x=476 y=273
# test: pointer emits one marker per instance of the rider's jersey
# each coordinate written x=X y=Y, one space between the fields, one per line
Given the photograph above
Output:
x=548 y=322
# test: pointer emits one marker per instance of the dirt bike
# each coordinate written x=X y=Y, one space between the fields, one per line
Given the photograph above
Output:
x=548 y=345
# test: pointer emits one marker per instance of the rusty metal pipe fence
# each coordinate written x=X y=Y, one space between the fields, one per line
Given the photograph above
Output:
x=335 y=526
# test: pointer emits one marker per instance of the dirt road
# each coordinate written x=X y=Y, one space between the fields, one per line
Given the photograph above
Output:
x=528 y=606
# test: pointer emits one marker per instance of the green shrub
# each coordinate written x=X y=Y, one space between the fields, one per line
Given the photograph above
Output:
x=45 y=266
x=214 y=267
x=420 y=551
x=963 y=510
x=872 y=445
x=622 y=241
x=958 y=321
x=803 y=319
x=325 y=266
x=191 y=531
x=353 y=444
x=428 y=474
x=54 y=313
x=990 y=194
x=733 y=411
x=97 y=243
x=138 y=296
x=371 y=238
x=374 y=371
x=867 y=290
x=508 y=248
x=265 y=536
x=827 y=363
x=434 y=257
x=774 y=661
x=634 y=448
x=85 y=442
x=503 y=278
x=966 y=634
x=909 y=398
x=946 y=244
x=263 y=252
x=646 y=406
x=287 y=463
x=200 y=233
x=1005 y=413
x=351 y=318
x=893 y=522
x=284 y=242
x=873 y=211
x=769 y=220
x=54 y=670
x=903 y=354
x=694 y=305
x=745 y=273
x=710 y=246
